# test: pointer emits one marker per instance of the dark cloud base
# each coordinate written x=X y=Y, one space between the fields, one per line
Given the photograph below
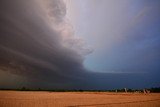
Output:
x=32 y=50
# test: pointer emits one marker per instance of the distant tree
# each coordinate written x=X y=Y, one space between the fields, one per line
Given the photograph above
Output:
x=130 y=90
x=23 y=89
x=39 y=89
x=155 y=90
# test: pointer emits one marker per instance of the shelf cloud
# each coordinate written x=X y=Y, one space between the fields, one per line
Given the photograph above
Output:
x=40 y=49
x=37 y=42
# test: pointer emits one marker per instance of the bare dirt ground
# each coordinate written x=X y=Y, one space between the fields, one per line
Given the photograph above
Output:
x=77 y=99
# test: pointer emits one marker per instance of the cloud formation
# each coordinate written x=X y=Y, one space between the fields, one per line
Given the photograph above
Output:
x=125 y=34
x=37 y=42
x=39 y=49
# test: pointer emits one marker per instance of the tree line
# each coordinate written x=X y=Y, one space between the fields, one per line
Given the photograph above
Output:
x=152 y=90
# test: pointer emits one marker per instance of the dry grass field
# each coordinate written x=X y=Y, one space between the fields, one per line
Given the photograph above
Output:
x=77 y=99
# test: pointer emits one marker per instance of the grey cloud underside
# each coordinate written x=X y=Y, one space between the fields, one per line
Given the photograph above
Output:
x=33 y=50
x=30 y=48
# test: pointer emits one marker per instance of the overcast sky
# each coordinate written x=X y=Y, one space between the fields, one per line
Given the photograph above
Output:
x=79 y=44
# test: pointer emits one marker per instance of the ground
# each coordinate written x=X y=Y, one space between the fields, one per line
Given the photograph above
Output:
x=77 y=99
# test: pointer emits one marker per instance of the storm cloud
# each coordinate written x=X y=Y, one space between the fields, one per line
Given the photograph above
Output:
x=40 y=49
x=37 y=42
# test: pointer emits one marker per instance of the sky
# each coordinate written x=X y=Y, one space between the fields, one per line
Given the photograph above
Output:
x=79 y=44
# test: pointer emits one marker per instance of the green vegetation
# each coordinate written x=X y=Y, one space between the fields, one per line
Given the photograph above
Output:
x=153 y=90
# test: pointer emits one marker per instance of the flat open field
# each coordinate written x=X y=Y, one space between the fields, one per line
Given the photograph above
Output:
x=77 y=99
